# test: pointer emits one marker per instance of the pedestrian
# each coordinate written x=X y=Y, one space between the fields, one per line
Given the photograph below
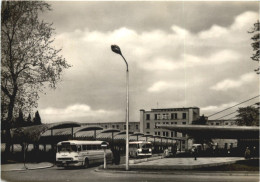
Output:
x=195 y=153
x=247 y=153
x=254 y=152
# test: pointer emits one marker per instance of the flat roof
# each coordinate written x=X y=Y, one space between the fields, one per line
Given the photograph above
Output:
x=171 y=109
x=210 y=131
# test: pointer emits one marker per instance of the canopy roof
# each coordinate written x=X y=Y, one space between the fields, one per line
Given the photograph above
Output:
x=65 y=124
x=124 y=132
x=89 y=128
x=110 y=130
x=225 y=132
x=33 y=133
x=137 y=134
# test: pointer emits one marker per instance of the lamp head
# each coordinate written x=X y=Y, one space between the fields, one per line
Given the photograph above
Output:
x=116 y=49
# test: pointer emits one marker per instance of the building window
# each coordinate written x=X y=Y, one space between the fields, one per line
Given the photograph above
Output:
x=217 y=123
x=173 y=115
x=136 y=127
x=117 y=126
x=129 y=126
x=171 y=122
x=175 y=134
x=175 y=122
x=113 y=126
x=124 y=127
x=159 y=133
x=155 y=133
x=106 y=126
x=183 y=115
x=167 y=122
x=147 y=116
x=147 y=125
x=171 y=133
x=147 y=132
x=212 y=123
x=165 y=116
x=226 y=123
x=155 y=116
x=156 y=123
x=165 y=133
x=183 y=122
x=163 y=123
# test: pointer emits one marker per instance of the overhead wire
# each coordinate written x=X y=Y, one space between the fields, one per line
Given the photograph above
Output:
x=232 y=113
x=233 y=106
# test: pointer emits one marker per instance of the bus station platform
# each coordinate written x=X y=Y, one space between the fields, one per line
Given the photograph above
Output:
x=156 y=163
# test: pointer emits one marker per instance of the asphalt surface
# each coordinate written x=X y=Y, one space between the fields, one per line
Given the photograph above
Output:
x=78 y=174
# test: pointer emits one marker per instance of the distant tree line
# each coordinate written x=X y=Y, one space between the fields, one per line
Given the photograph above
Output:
x=22 y=121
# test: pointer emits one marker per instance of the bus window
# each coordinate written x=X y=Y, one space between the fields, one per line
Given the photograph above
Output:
x=98 y=147
x=89 y=147
x=84 y=147
x=94 y=147
x=79 y=147
x=133 y=145
x=67 y=148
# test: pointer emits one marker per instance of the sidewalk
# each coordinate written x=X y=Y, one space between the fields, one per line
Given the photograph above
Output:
x=29 y=166
x=178 y=163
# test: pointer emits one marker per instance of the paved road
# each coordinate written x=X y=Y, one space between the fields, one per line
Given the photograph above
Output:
x=75 y=175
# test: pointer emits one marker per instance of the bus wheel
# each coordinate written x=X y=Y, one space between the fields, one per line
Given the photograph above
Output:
x=86 y=165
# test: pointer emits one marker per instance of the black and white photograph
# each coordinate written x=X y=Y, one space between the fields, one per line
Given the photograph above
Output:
x=127 y=90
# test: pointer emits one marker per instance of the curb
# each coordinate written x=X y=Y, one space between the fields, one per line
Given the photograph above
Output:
x=136 y=161
x=228 y=173
x=183 y=167
x=22 y=169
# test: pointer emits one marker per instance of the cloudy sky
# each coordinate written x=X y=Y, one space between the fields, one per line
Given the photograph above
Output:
x=180 y=54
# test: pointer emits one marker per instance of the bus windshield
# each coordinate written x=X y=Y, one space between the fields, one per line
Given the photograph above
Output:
x=147 y=145
x=67 y=148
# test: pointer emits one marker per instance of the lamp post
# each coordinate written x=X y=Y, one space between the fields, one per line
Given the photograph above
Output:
x=116 y=49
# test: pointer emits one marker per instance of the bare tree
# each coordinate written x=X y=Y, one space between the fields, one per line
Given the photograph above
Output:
x=29 y=60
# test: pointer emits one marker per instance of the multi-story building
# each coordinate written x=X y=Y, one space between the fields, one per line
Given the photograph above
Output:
x=167 y=116
x=133 y=126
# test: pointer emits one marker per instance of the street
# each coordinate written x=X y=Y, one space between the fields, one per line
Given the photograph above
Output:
x=64 y=175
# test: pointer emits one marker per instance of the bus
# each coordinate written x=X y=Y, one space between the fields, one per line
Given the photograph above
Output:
x=81 y=153
x=140 y=149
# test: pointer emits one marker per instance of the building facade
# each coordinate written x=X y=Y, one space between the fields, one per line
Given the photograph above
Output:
x=133 y=126
x=224 y=143
x=167 y=116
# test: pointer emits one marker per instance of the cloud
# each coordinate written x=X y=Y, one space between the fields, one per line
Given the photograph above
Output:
x=76 y=112
x=188 y=67
x=215 y=108
x=160 y=86
x=231 y=84
x=189 y=61
x=159 y=50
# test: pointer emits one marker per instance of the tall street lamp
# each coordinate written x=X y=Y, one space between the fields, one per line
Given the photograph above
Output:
x=116 y=49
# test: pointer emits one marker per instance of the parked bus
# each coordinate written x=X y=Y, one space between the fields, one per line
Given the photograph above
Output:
x=81 y=153
x=140 y=148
